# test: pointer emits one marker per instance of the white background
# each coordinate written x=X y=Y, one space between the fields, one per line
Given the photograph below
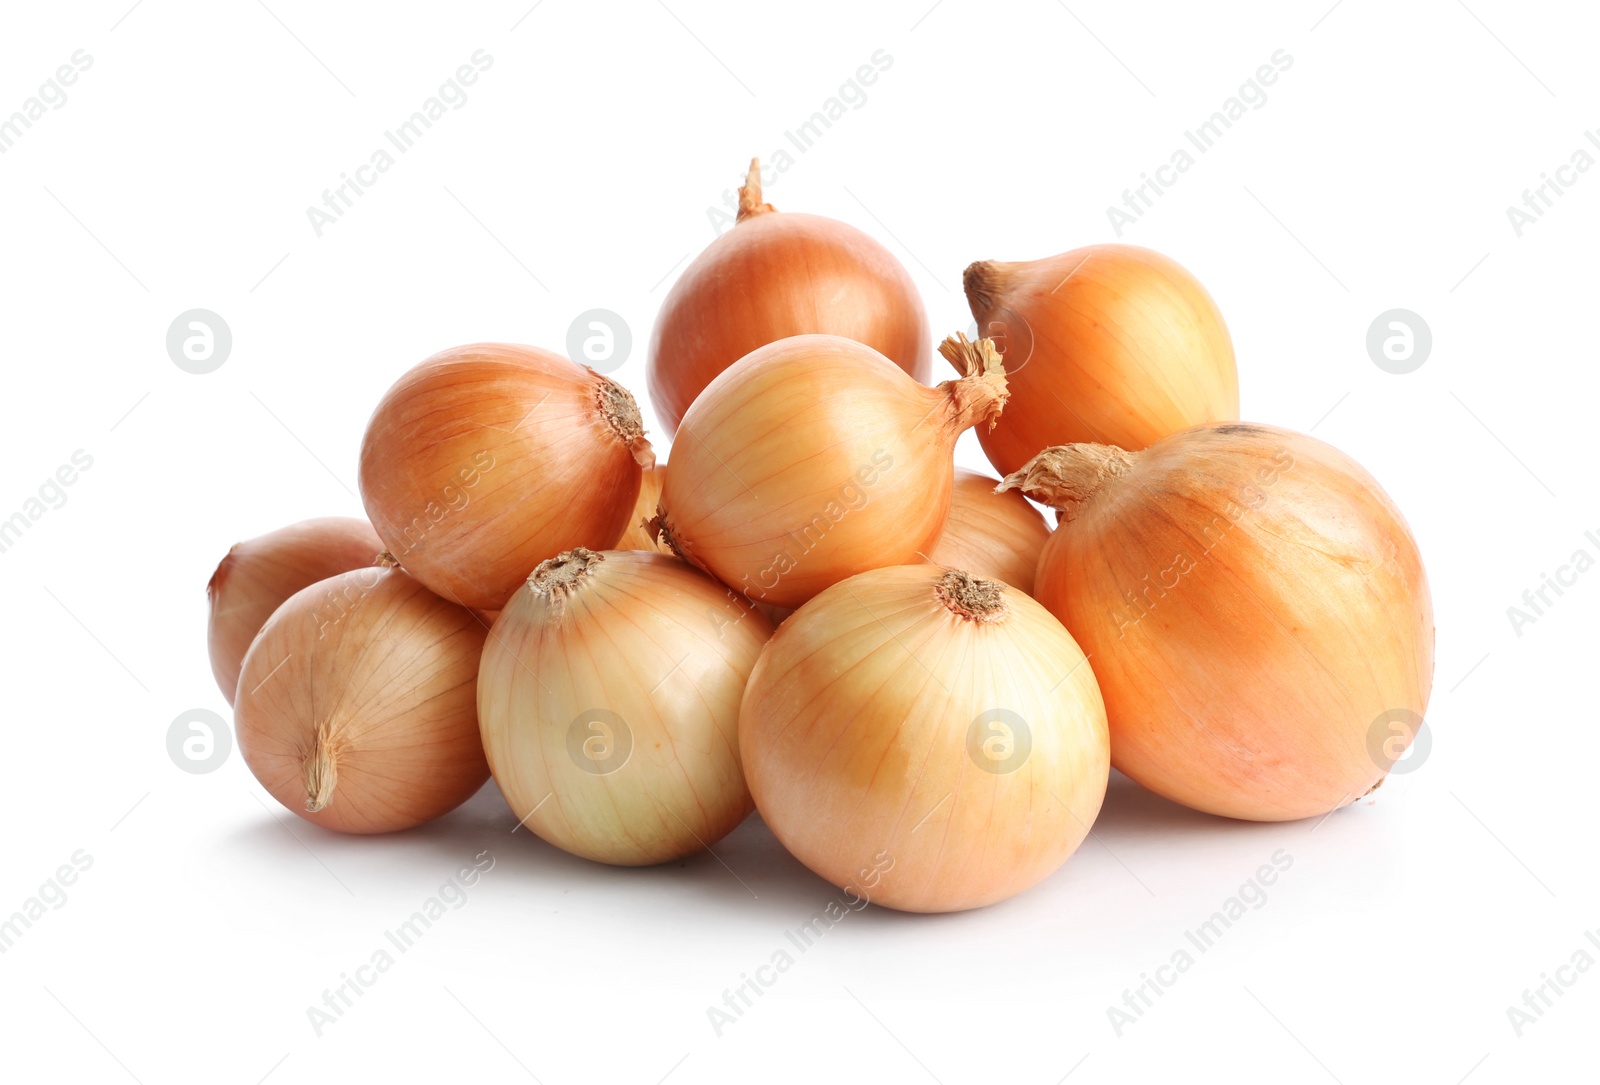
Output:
x=578 y=175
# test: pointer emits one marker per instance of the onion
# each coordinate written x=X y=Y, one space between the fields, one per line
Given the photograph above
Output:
x=772 y=276
x=991 y=534
x=814 y=459
x=257 y=576
x=485 y=460
x=1109 y=343
x=609 y=703
x=355 y=705
x=637 y=535
x=1255 y=608
x=928 y=739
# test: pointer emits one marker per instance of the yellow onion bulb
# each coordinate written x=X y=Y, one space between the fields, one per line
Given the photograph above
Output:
x=356 y=703
x=485 y=460
x=1256 y=610
x=609 y=704
x=993 y=535
x=257 y=575
x=927 y=739
x=1112 y=344
x=815 y=458
x=774 y=275
x=637 y=535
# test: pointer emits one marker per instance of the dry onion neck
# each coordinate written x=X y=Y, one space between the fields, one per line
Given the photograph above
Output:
x=750 y=204
x=980 y=394
x=561 y=576
x=1067 y=477
x=621 y=411
x=972 y=598
x=978 y=281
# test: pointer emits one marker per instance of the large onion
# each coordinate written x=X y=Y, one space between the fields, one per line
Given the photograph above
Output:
x=256 y=577
x=356 y=703
x=814 y=459
x=485 y=460
x=772 y=276
x=1255 y=609
x=1110 y=343
x=609 y=702
x=927 y=739
x=996 y=535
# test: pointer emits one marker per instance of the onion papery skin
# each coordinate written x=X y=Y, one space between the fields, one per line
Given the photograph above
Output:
x=775 y=275
x=609 y=704
x=356 y=704
x=637 y=535
x=1256 y=610
x=815 y=458
x=1112 y=344
x=989 y=534
x=869 y=733
x=257 y=575
x=485 y=460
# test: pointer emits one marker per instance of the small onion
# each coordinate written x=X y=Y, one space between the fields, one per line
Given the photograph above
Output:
x=772 y=276
x=814 y=459
x=1256 y=610
x=485 y=460
x=637 y=535
x=256 y=577
x=609 y=703
x=1110 y=343
x=356 y=708
x=925 y=738
x=991 y=535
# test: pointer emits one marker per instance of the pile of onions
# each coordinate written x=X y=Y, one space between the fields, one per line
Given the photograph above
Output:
x=356 y=703
x=1112 y=344
x=815 y=458
x=609 y=704
x=1255 y=609
x=256 y=577
x=924 y=738
x=995 y=535
x=772 y=276
x=485 y=460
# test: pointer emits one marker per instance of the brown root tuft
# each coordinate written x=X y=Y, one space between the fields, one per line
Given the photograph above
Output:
x=971 y=597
